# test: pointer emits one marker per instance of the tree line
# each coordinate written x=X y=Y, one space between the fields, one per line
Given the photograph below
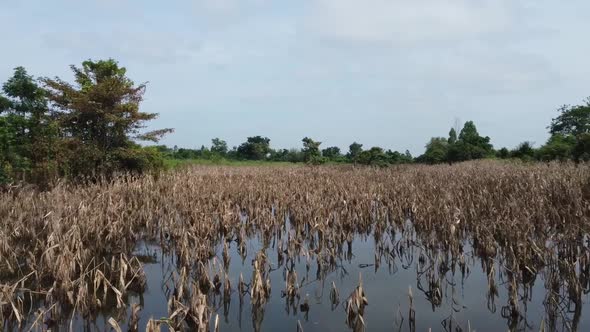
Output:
x=258 y=148
x=569 y=140
x=51 y=129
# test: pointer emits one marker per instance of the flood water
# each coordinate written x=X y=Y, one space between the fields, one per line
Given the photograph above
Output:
x=461 y=293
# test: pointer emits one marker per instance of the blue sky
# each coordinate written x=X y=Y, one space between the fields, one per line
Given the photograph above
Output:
x=380 y=72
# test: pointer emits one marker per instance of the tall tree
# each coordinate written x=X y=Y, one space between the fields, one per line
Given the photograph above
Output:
x=311 y=150
x=255 y=148
x=28 y=131
x=452 y=136
x=470 y=145
x=354 y=151
x=100 y=116
x=572 y=120
x=373 y=156
x=436 y=151
x=219 y=146
x=524 y=151
x=332 y=153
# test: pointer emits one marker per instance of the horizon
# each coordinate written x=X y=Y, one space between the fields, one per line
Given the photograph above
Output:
x=381 y=73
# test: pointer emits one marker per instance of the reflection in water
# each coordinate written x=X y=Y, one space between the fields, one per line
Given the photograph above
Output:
x=300 y=262
x=417 y=280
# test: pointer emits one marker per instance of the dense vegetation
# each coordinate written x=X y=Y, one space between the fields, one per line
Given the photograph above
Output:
x=51 y=129
x=570 y=140
x=74 y=246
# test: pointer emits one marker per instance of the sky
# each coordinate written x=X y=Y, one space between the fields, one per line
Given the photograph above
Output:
x=386 y=73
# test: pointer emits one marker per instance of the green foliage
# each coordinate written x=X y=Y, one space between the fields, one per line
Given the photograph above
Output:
x=452 y=136
x=287 y=155
x=470 y=145
x=80 y=129
x=570 y=134
x=558 y=147
x=332 y=153
x=219 y=147
x=28 y=132
x=311 y=151
x=436 y=151
x=99 y=118
x=394 y=157
x=138 y=159
x=524 y=151
x=572 y=120
x=503 y=153
x=374 y=156
x=581 y=151
x=354 y=151
x=255 y=148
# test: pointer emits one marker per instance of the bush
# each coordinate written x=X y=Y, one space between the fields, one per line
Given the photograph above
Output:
x=138 y=159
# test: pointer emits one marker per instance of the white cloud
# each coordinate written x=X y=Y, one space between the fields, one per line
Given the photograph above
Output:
x=399 y=21
x=152 y=47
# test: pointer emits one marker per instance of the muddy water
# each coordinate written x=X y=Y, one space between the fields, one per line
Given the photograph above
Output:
x=459 y=298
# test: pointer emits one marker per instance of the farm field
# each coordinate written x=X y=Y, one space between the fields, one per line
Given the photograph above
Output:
x=484 y=246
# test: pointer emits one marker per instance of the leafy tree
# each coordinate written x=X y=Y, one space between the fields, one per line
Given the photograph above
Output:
x=503 y=153
x=407 y=157
x=572 y=120
x=28 y=131
x=354 y=151
x=394 y=157
x=452 y=136
x=581 y=151
x=524 y=151
x=436 y=151
x=332 y=153
x=99 y=117
x=204 y=153
x=233 y=153
x=570 y=134
x=287 y=155
x=311 y=151
x=373 y=156
x=470 y=145
x=219 y=146
x=255 y=148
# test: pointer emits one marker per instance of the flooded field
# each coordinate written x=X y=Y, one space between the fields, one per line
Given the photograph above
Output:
x=472 y=247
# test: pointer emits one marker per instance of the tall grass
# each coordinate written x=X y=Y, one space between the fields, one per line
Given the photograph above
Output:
x=73 y=245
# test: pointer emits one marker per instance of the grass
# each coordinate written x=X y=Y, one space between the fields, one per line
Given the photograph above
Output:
x=176 y=163
x=75 y=244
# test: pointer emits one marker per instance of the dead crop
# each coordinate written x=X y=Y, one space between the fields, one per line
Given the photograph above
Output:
x=70 y=251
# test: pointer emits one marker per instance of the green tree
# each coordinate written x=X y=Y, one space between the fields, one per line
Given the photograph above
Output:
x=255 y=148
x=373 y=156
x=395 y=157
x=28 y=130
x=524 y=151
x=558 y=147
x=311 y=151
x=503 y=153
x=354 y=151
x=100 y=118
x=470 y=145
x=219 y=146
x=452 y=136
x=569 y=134
x=436 y=151
x=581 y=151
x=332 y=153
x=572 y=120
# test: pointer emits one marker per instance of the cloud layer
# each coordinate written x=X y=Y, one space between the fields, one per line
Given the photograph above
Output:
x=382 y=72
